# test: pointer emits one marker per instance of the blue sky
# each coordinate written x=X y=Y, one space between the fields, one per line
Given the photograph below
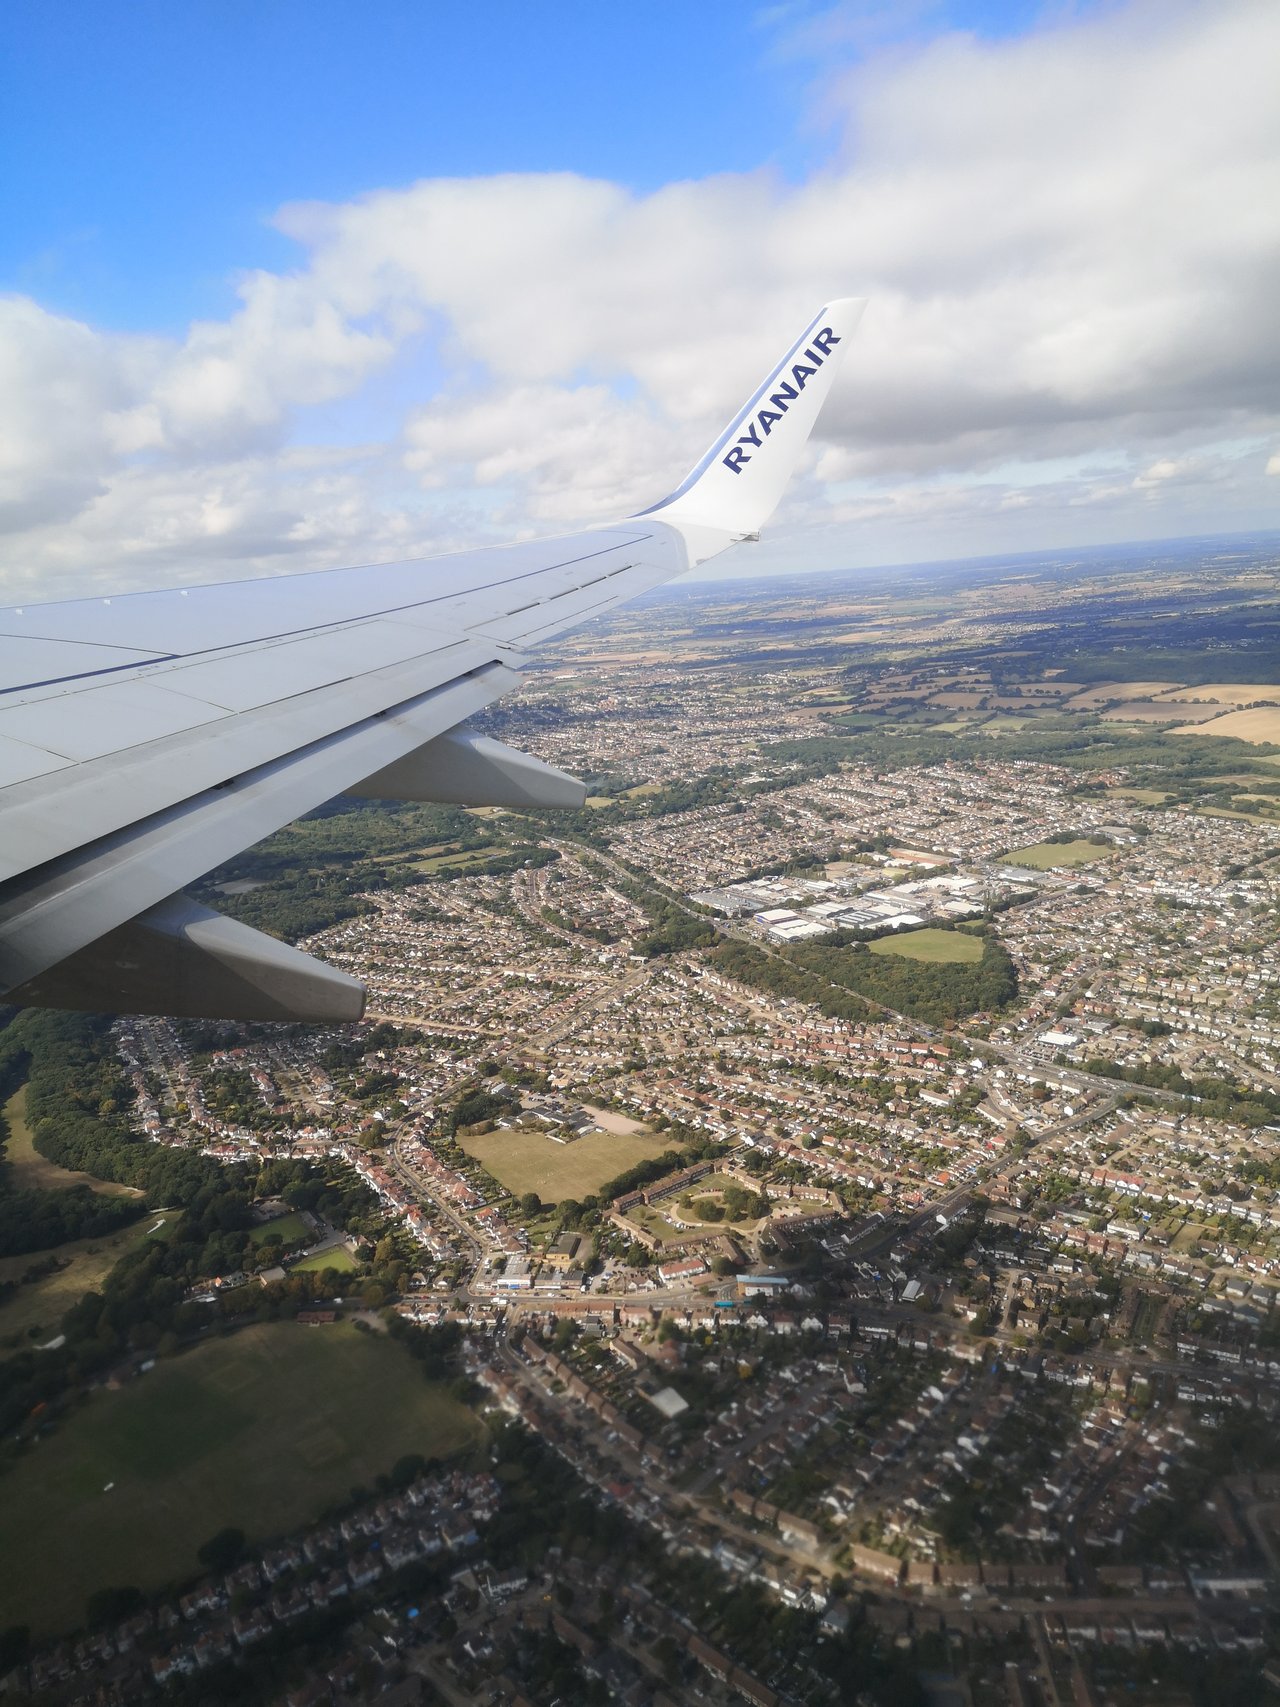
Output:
x=148 y=144
x=286 y=284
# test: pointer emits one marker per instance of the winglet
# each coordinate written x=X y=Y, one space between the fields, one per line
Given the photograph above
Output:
x=736 y=486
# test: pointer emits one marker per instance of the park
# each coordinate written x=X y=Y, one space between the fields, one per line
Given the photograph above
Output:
x=260 y=1430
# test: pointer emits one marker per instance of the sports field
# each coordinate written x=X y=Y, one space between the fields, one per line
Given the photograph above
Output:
x=952 y=947
x=1044 y=856
x=285 y=1228
x=337 y=1257
x=30 y=1170
x=527 y=1161
x=260 y=1431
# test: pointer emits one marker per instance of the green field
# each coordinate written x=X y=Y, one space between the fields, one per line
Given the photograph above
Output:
x=337 y=1257
x=526 y=1161
x=1044 y=856
x=1227 y=812
x=655 y=1222
x=288 y=1228
x=261 y=1430
x=952 y=947
x=455 y=861
x=29 y=1170
x=41 y=1305
x=1006 y=725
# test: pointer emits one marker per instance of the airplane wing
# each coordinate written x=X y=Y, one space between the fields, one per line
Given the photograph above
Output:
x=144 y=739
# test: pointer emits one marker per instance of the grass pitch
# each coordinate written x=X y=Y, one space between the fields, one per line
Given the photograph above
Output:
x=261 y=1430
x=337 y=1257
x=526 y=1161
x=287 y=1228
x=952 y=947
x=1044 y=856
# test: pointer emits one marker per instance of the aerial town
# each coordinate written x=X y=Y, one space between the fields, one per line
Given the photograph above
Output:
x=847 y=1180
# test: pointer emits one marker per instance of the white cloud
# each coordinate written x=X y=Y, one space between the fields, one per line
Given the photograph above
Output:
x=1070 y=242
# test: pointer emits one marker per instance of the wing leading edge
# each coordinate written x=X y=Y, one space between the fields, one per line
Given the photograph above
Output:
x=145 y=739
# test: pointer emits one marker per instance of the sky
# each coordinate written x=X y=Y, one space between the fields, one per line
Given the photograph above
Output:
x=285 y=285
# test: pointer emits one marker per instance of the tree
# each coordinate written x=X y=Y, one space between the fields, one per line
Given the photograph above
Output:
x=223 y=1550
x=110 y=1605
x=530 y=1203
x=15 y=1644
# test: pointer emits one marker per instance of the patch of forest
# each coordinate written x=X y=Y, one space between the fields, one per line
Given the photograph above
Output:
x=77 y=1106
x=835 y=976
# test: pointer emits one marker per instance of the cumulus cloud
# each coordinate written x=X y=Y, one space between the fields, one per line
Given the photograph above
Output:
x=1071 y=242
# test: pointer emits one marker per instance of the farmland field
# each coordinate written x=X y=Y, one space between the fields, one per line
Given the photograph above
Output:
x=1102 y=693
x=1229 y=693
x=937 y=946
x=528 y=1161
x=260 y=1431
x=1260 y=724
x=1044 y=856
x=1158 y=711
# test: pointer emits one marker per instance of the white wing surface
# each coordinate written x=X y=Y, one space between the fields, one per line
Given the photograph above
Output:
x=146 y=738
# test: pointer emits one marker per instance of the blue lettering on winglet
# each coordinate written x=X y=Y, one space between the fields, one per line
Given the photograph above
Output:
x=761 y=424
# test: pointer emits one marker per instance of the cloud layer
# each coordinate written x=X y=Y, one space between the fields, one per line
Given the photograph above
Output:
x=1071 y=242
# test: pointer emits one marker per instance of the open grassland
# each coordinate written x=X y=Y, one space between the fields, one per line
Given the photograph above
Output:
x=29 y=1170
x=1260 y=724
x=934 y=945
x=35 y=1310
x=1229 y=812
x=260 y=1431
x=454 y=861
x=1006 y=725
x=336 y=1257
x=528 y=1161
x=1044 y=856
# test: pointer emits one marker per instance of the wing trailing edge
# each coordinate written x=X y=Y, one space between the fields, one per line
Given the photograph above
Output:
x=188 y=961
